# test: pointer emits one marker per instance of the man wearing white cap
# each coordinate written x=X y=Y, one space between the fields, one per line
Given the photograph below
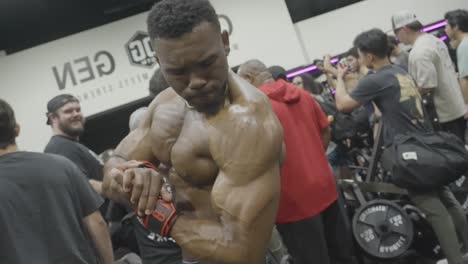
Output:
x=434 y=72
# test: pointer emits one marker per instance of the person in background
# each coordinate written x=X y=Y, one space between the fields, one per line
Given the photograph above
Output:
x=278 y=72
x=310 y=219
x=67 y=122
x=49 y=211
x=395 y=93
x=306 y=82
x=355 y=70
x=396 y=54
x=432 y=68
x=457 y=31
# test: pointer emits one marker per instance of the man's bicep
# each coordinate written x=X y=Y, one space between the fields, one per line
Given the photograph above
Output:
x=231 y=195
x=248 y=155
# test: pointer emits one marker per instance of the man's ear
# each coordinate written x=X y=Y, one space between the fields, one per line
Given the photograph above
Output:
x=52 y=117
x=226 y=44
x=17 y=130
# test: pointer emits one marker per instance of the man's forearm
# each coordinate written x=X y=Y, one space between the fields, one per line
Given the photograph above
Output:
x=330 y=81
x=340 y=92
x=209 y=240
x=99 y=234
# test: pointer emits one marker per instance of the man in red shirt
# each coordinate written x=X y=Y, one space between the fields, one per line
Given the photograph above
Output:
x=310 y=220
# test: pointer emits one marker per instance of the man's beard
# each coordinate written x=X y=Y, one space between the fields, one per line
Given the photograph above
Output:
x=71 y=131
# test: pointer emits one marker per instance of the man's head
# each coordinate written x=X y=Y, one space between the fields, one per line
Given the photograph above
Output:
x=9 y=129
x=255 y=72
x=372 y=46
x=298 y=81
x=392 y=46
x=278 y=72
x=191 y=51
x=64 y=115
x=352 y=59
x=457 y=24
x=406 y=26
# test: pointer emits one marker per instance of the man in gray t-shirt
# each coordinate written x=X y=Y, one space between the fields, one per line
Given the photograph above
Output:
x=433 y=70
x=457 y=31
x=49 y=212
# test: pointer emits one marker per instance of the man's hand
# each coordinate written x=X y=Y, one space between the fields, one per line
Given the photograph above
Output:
x=140 y=186
x=341 y=72
x=327 y=66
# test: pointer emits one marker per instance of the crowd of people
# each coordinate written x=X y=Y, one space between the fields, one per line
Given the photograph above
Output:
x=227 y=167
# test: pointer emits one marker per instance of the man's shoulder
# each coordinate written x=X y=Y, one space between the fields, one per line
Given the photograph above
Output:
x=463 y=47
x=46 y=160
x=58 y=143
x=425 y=45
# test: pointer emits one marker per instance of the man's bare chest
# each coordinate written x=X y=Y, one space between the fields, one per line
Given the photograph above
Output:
x=181 y=140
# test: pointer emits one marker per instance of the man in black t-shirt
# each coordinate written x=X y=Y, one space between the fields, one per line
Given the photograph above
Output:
x=67 y=121
x=49 y=212
x=395 y=94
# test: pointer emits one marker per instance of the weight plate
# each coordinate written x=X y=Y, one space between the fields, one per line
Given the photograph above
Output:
x=382 y=229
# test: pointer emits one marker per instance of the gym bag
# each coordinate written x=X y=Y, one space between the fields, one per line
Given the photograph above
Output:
x=428 y=161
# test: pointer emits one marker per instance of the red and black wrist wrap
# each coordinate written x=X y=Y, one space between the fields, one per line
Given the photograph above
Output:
x=162 y=218
x=164 y=215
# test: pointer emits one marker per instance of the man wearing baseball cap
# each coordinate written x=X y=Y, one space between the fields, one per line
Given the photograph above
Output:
x=67 y=121
x=432 y=68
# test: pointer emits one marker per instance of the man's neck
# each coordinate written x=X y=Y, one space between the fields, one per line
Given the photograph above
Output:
x=415 y=37
x=380 y=64
x=58 y=132
x=9 y=149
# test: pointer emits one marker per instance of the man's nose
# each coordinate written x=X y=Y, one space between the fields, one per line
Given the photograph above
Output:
x=197 y=83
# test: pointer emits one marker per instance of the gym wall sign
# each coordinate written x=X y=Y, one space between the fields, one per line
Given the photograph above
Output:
x=84 y=69
x=140 y=50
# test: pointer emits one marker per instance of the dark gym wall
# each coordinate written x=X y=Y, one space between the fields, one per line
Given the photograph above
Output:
x=304 y=9
x=28 y=23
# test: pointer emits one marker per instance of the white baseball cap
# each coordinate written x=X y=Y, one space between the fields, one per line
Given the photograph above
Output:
x=403 y=18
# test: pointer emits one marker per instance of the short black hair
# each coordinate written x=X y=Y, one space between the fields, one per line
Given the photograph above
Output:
x=392 y=44
x=373 y=41
x=458 y=18
x=310 y=84
x=415 y=26
x=171 y=19
x=7 y=125
x=353 y=52
x=278 y=72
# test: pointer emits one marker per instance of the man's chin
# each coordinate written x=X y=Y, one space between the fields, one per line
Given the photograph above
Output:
x=74 y=132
